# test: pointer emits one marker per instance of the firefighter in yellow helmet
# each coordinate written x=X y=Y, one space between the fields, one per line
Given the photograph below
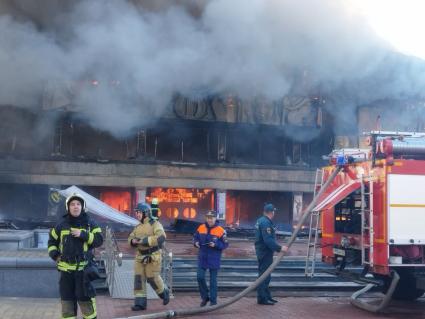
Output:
x=70 y=244
x=156 y=211
x=148 y=238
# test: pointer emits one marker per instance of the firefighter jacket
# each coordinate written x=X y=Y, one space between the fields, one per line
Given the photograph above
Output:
x=210 y=257
x=151 y=235
x=265 y=238
x=156 y=211
x=73 y=251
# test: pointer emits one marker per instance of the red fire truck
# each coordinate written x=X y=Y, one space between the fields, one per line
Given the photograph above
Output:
x=373 y=212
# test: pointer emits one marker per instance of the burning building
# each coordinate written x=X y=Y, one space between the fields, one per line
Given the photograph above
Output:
x=229 y=159
x=192 y=104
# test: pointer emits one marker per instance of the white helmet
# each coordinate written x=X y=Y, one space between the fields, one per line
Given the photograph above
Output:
x=77 y=197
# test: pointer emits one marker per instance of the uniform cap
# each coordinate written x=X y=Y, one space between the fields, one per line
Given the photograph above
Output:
x=269 y=208
x=211 y=213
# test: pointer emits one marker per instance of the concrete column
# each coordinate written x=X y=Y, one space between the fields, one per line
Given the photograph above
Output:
x=140 y=195
x=297 y=207
x=221 y=204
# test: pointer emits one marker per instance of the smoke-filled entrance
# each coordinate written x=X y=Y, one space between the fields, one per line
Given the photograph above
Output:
x=244 y=207
x=120 y=200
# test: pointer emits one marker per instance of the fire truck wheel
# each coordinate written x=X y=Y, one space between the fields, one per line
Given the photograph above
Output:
x=405 y=289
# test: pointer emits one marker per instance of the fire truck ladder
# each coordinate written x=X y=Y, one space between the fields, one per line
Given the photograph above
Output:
x=367 y=223
x=367 y=253
x=313 y=231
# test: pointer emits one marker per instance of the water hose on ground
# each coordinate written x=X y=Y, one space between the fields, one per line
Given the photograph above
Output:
x=384 y=302
x=259 y=280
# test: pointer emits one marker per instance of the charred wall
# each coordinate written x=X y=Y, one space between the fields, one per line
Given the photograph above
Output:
x=25 y=205
x=62 y=136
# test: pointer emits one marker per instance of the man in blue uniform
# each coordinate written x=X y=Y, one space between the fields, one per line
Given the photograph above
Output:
x=265 y=246
x=211 y=240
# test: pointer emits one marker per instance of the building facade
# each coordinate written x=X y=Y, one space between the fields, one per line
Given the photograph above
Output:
x=216 y=153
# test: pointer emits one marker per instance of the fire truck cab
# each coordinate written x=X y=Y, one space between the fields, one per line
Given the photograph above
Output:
x=373 y=212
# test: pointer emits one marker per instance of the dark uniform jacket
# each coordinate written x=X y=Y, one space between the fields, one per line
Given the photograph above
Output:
x=210 y=257
x=73 y=251
x=265 y=237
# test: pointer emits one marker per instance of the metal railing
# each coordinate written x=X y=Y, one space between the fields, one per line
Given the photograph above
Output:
x=112 y=257
x=167 y=268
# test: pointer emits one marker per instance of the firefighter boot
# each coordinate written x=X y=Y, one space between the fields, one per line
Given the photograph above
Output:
x=139 y=304
x=165 y=296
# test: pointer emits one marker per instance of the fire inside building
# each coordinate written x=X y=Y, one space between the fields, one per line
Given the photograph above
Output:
x=220 y=154
x=217 y=152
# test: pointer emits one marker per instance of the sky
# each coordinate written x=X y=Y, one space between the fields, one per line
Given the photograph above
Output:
x=348 y=51
x=400 y=22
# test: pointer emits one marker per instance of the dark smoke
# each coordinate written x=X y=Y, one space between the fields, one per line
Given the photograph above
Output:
x=152 y=50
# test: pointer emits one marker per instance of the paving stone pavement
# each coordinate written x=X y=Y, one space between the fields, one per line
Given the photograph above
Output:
x=289 y=307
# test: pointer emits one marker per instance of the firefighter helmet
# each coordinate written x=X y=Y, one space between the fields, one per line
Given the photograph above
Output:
x=143 y=207
x=78 y=197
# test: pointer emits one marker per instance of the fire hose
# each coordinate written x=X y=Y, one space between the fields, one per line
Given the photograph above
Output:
x=259 y=280
x=376 y=308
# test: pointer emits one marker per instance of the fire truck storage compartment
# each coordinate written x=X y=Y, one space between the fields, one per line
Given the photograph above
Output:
x=406 y=209
x=348 y=214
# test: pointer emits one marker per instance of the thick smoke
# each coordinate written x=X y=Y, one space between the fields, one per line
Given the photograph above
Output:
x=144 y=52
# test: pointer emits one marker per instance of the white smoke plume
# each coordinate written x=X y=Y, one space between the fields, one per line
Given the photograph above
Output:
x=155 y=49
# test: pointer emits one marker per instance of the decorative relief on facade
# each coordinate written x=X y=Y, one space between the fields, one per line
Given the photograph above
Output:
x=228 y=108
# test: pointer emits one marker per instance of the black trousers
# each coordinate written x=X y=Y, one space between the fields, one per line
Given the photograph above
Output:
x=72 y=286
x=263 y=292
x=76 y=290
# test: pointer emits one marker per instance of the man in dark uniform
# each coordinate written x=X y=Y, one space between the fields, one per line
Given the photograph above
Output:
x=265 y=246
x=70 y=244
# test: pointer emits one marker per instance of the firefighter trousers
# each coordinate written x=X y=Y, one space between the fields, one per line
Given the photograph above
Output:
x=75 y=289
x=148 y=272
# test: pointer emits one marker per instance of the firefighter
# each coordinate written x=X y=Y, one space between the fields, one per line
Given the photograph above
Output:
x=265 y=246
x=148 y=238
x=156 y=211
x=70 y=244
x=211 y=240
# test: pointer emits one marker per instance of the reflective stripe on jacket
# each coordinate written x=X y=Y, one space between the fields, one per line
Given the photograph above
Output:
x=210 y=257
x=73 y=250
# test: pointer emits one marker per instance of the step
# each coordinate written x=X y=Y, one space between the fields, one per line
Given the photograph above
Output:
x=292 y=285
